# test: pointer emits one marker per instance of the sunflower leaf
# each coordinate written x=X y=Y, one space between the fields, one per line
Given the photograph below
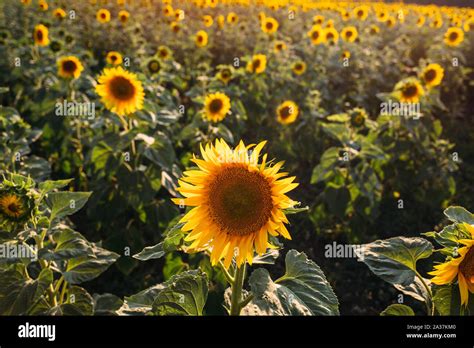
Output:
x=398 y=310
x=459 y=215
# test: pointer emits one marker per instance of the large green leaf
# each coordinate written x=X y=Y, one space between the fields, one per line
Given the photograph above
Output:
x=66 y=203
x=394 y=260
x=398 y=310
x=69 y=244
x=173 y=239
x=142 y=302
x=303 y=290
x=459 y=215
x=107 y=304
x=78 y=302
x=184 y=294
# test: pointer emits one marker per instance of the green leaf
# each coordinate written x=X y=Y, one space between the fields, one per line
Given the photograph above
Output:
x=152 y=252
x=398 y=310
x=107 y=304
x=140 y=303
x=173 y=240
x=324 y=169
x=459 y=215
x=290 y=211
x=303 y=290
x=69 y=244
x=78 y=302
x=184 y=294
x=50 y=185
x=394 y=260
x=66 y=203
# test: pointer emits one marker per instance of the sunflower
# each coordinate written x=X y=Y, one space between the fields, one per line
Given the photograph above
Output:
x=43 y=5
x=390 y=22
x=454 y=36
x=59 y=13
x=468 y=25
x=409 y=90
x=237 y=200
x=208 y=21
x=220 y=21
x=361 y=12
x=432 y=75
x=153 y=66
x=123 y=16
x=114 y=58
x=349 y=34
x=232 y=18
x=316 y=34
x=382 y=15
x=345 y=54
x=269 y=25
x=257 y=64
x=164 y=52
x=175 y=27
x=15 y=205
x=374 y=29
x=103 y=15
x=279 y=46
x=225 y=74
x=357 y=117
x=41 y=35
x=121 y=91
x=287 y=112
x=331 y=36
x=168 y=11
x=201 y=38
x=437 y=23
x=318 y=20
x=216 y=107
x=26 y=2
x=462 y=267
x=298 y=67
x=420 y=21
x=69 y=67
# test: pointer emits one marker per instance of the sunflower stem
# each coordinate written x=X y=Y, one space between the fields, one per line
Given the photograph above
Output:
x=430 y=310
x=236 y=297
x=230 y=279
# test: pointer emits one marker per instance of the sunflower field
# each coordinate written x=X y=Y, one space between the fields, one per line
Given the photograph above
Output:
x=236 y=157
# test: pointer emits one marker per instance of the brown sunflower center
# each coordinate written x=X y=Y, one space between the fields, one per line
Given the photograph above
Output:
x=298 y=67
x=216 y=105
x=467 y=265
x=102 y=15
x=14 y=208
x=330 y=36
x=430 y=75
x=256 y=64
x=410 y=91
x=69 y=66
x=286 y=112
x=269 y=25
x=315 y=35
x=121 y=88
x=360 y=13
x=349 y=33
x=225 y=74
x=240 y=201
x=39 y=35
x=453 y=36
x=154 y=66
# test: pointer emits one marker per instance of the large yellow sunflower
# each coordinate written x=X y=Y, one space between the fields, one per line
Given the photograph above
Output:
x=121 y=91
x=41 y=35
x=331 y=36
x=103 y=15
x=201 y=38
x=454 y=36
x=69 y=67
x=462 y=267
x=349 y=34
x=257 y=64
x=409 y=90
x=216 y=107
x=237 y=200
x=269 y=25
x=432 y=75
x=316 y=34
x=287 y=112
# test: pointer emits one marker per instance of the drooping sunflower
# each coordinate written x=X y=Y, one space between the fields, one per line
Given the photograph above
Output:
x=316 y=34
x=114 y=58
x=349 y=34
x=69 y=67
x=409 y=90
x=432 y=75
x=331 y=36
x=121 y=91
x=269 y=25
x=59 y=13
x=454 y=36
x=164 y=52
x=237 y=200
x=461 y=267
x=257 y=64
x=15 y=205
x=216 y=107
x=208 y=21
x=123 y=16
x=41 y=35
x=103 y=15
x=287 y=112
x=153 y=66
x=201 y=38
x=279 y=46
x=298 y=67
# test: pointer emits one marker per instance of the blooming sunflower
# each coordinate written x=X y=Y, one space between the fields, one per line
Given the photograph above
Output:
x=316 y=34
x=69 y=67
x=374 y=29
x=432 y=75
x=257 y=64
x=121 y=91
x=237 y=202
x=41 y=35
x=114 y=58
x=331 y=36
x=232 y=18
x=103 y=15
x=175 y=27
x=43 y=5
x=208 y=21
x=361 y=12
x=318 y=20
x=462 y=267
x=349 y=34
x=420 y=21
x=357 y=117
x=225 y=74
x=269 y=25
x=220 y=21
x=454 y=36
x=287 y=112
x=279 y=46
x=216 y=107
x=409 y=90
x=298 y=67
x=345 y=54
x=15 y=205
x=59 y=13
x=153 y=66
x=123 y=16
x=201 y=38
x=164 y=52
